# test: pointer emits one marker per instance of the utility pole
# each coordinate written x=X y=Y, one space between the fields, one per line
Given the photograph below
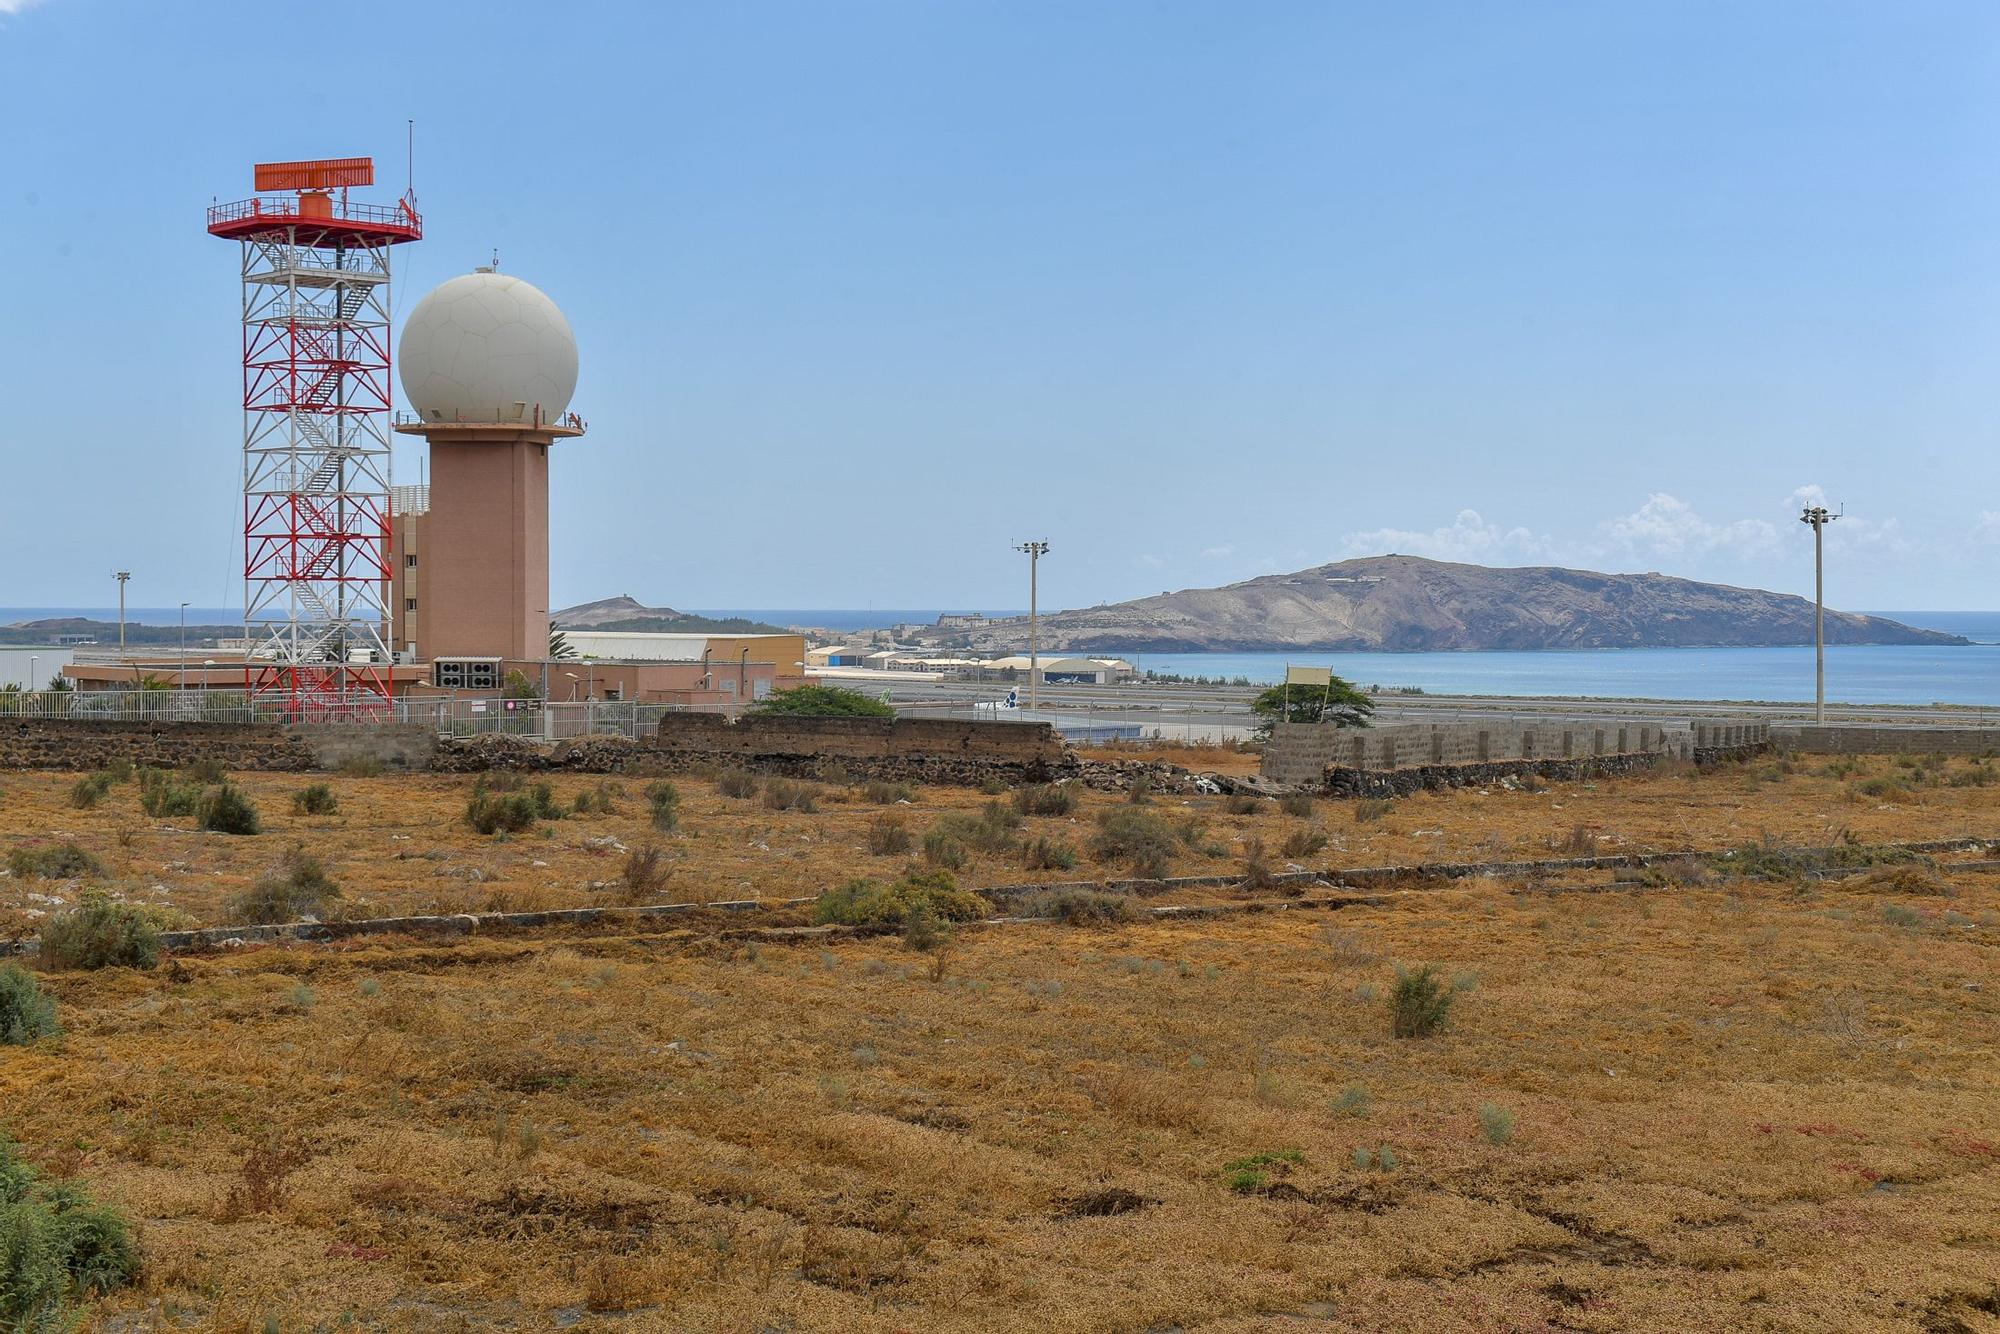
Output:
x=1034 y=552
x=184 y=650
x=121 y=577
x=1818 y=517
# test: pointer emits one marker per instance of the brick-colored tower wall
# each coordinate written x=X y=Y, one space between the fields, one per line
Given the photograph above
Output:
x=485 y=553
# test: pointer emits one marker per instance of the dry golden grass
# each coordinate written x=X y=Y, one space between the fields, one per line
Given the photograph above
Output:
x=399 y=844
x=1737 y=1105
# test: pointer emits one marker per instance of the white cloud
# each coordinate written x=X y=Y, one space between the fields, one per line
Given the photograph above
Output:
x=1150 y=561
x=1668 y=526
x=1469 y=538
x=1988 y=527
x=15 y=6
x=1223 y=552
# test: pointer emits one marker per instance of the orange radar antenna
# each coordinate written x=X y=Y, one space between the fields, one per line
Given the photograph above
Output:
x=333 y=173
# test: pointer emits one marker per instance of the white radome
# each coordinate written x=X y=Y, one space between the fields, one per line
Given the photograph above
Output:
x=487 y=347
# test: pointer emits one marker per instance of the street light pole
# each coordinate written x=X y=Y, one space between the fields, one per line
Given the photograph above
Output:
x=1034 y=552
x=184 y=647
x=1818 y=517
x=121 y=577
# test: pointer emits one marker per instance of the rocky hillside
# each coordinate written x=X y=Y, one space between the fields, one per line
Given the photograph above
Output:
x=1407 y=603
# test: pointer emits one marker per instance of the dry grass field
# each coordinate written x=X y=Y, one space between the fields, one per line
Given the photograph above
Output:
x=1706 y=1103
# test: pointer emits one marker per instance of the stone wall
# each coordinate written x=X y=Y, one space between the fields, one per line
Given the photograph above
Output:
x=926 y=750
x=73 y=743
x=1861 y=739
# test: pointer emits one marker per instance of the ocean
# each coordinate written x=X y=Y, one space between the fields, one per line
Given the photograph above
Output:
x=1859 y=674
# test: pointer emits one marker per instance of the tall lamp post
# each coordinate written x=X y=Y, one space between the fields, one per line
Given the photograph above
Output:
x=121 y=577
x=1034 y=551
x=1818 y=517
x=184 y=649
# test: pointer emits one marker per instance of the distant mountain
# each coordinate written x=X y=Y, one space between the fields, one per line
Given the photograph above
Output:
x=75 y=629
x=1406 y=604
x=628 y=613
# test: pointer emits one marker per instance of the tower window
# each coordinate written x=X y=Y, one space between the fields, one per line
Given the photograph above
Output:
x=409 y=604
x=410 y=561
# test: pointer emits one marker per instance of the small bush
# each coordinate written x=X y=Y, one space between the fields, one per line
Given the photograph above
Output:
x=1045 y=799
x=884 y=793
x=783 y=794
x=64 y=861
x=1370 y=809
x=1049 y=854
x=315 y=799
x=1419 y=1003
x=1352 y=1102
x=298 y=887
x=1895 y=914
x=206 y=771
x=225 y=810
x=1077 y=907
x=98 y=933
x=1243 y=803
x=26 y=1014
x=1298 y=805
x=543 y=794
x=645 y=875
x=1143 y=841
x=993 y=787
x=889 y=836
x=162 y=794
x=1253 y=1173
x=738 y=783
x=56 y=1245
x=595 y=801
x=1580 y=843
x=1496 y=1123
x=943 y=848
x=871 y=903
x=991 y=830
x=1256 y=865
x=1303 y=842
x=495 y=813
x=361 y=766
x=89 y=790
x=1140 y=792
x=1910 y=878
x=663 y=802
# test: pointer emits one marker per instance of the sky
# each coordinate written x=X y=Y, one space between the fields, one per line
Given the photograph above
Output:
x=868 y=293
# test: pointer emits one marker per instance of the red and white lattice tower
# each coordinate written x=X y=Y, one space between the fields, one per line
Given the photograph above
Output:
x=316 y=389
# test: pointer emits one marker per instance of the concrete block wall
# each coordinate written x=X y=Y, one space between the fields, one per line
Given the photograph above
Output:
x=1303 y=752
x=861 y=738
x=1861 y=739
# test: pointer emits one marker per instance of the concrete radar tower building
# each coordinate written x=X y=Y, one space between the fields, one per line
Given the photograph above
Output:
x=488 y=364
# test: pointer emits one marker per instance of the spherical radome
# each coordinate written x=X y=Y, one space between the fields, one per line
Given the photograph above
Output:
x=487 y=347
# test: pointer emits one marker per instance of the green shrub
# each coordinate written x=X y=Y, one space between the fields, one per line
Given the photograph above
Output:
x=645 y=874
x=1143 y=841
x=162 y=794
x=945 y=849
x=206 y=771
x=1253 y=1173
x=98 y=933
x=884 y=793
x=597 y=800
x=225 y=810
x=816 y=701
x=543 y=794
x=1045 y=799
x=1419 y=1003
x=1256 y=867
x=315 y=799
x=56 y=1245
x=26 y=1014
x=1370 y=809
x=1049 y=854
x=737 y=783
x=64 y=861
x=889 y=836
x=1496 y=1123
x=493 y=813
x=1895 y=914
x=297 y=887
x=1077 y=907
x=872 y=903
x=1298 y=805
x=89 y=790
x=783 y=794
x=663 y=804
x=991 y=830
x=994 y=787
x=1353 y=1101
x=1243 y=803
x=1303 y=842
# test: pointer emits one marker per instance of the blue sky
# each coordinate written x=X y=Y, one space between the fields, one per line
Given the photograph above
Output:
x=867 y=292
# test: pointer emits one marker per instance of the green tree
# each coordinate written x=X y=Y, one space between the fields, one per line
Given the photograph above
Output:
x=823 y=702
x=1340 y=704
x=559 y=646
